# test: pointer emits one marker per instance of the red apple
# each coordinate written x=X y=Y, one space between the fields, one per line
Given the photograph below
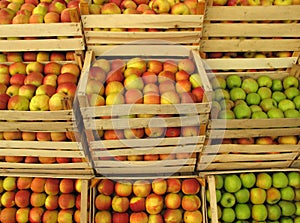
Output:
x=137 y=204
x=103 y=202
x=66 y=201
x=106 y=186
x=190 y=186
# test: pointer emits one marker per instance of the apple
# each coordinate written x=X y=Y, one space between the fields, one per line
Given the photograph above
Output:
x=39 y=103
x=120 y=204
x=280 y=180
x=273 y=195
x=268 y=103
x=13 y=56
x=52 y=17
x=172 y=200
x=8 y=199
x=133 y=82
x=263 y=180
x=13 y=90
x=141 y=188
x=97 y=73
x=137 y=204
x=16 y=68
x=50 y=79
x=275 y=113
x=18 y=102
x=288 y=208
x=45 y=89
x=70 y=68
x=149 y=77
x=172 y=215
x=106 y=187
x=110 y=8
x=17 y=79
x=66 y=185
x=180 y=8
x=133 y=96
x=4 y=98
x=66 y=201
x=278 y=96
x=138 y=217
x=113 y=134
x=120 y=217
x=37 y=184
x=294 y=179
x=4 y=80
x=50 y=216
x=192 y=216
x=65 y=216
x=154 y=203
x=103 y=217
x=151 y=87
x=166 y=85
x=292 y=92
x=24 y=182
x=227 y=200
x=22 y=198
x=290 y=81
x=37 y=199
x=22 y=215
x=56 y=101
x=62 y=56
x=274 y=212
x=8 y=215
x=51 y=186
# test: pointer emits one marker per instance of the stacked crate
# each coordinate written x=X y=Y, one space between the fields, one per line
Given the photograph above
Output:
x=250 y=41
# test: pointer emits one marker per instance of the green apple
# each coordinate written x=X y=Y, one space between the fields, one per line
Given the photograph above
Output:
x=280 y=180
x=233 y=81
x=296 y=100
x=253 y=98
x=287 y=193
x=264 y=92
x=278 y=96
x=227 y=200
x=286 y=220
x=220 y=94
x=242 y=195
x=218 y=82
x=297 y=204
x=288 y=208
x=297 y=219
x=240 y=101
x=232 y=183
x=294 y=179
x=219 y=181
x=248 y=179
x=218 y=195
x=257 y=195
x=228 y=215
x=226 y=114
x=264 y=81
x=242 y=111
x=259 y=115
x=219 y=212
x=273 y=195
x=249 y=85
x=268 y=103
x=259 y=212
x=255 y=108
x=226 y=104
x=237 y=94
x=290 y=81
x=195 y=80
x=274 y=212
x=292 y=113
x=275 y=113
x=242 y=211
x=292 y=92
x=263 y=180
x=277 y=85
x=297 y=194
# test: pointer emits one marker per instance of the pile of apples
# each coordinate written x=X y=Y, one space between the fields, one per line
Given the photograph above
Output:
x=35 y=199
x=140 y=81
x=257 y=197
x=264 y=97
x=186 y=7
x=170 y=200
x=254 y=2
x=35 y=11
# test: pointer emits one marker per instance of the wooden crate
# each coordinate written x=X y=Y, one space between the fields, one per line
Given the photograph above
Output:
x=114 y=148
x=180 y=29
x=132 y=179
x=43 y=36
x=216 y=156
x=211 y=186
x=250 y=29
x=65 y=121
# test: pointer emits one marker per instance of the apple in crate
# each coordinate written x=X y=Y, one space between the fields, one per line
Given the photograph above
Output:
x=141 y=188
x=138 y=217
x=22 y=198
x=154 y=203
x=123 y=188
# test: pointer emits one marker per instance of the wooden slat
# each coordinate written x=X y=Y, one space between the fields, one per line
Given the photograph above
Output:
x=142 y=21
x=38 y=126
x=68 y=44
x=143 y=151
x=250 y=13
x=149 y=142
x=36 y=115
x=115 y=110
x=250 y=63
x=249 y=45
x=108 y=37
x=41 y=30
x=243 y=166
x=252 y=30
x=40 y=144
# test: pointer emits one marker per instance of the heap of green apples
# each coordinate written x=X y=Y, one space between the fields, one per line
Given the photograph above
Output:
x=186 y=7
x=141 y=81
x=161 y=200
x=35 y=11
x=249 y=98
x=36 y=199
x=257 y=197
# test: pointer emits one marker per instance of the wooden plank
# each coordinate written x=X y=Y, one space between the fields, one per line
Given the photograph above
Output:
x=109 y=37
x=40 y=144
x=147 y=142
x=102 y=49
x=67 y=44
x=36 y=115
x=249 y=45
x=143 y=151
x=85 y=174
x=41 y=30
x=250 y=13
x=252 y=30
x=250 y=63
x=38 y=126
x=142 y=21
x=243 y=166
x=115 y=110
